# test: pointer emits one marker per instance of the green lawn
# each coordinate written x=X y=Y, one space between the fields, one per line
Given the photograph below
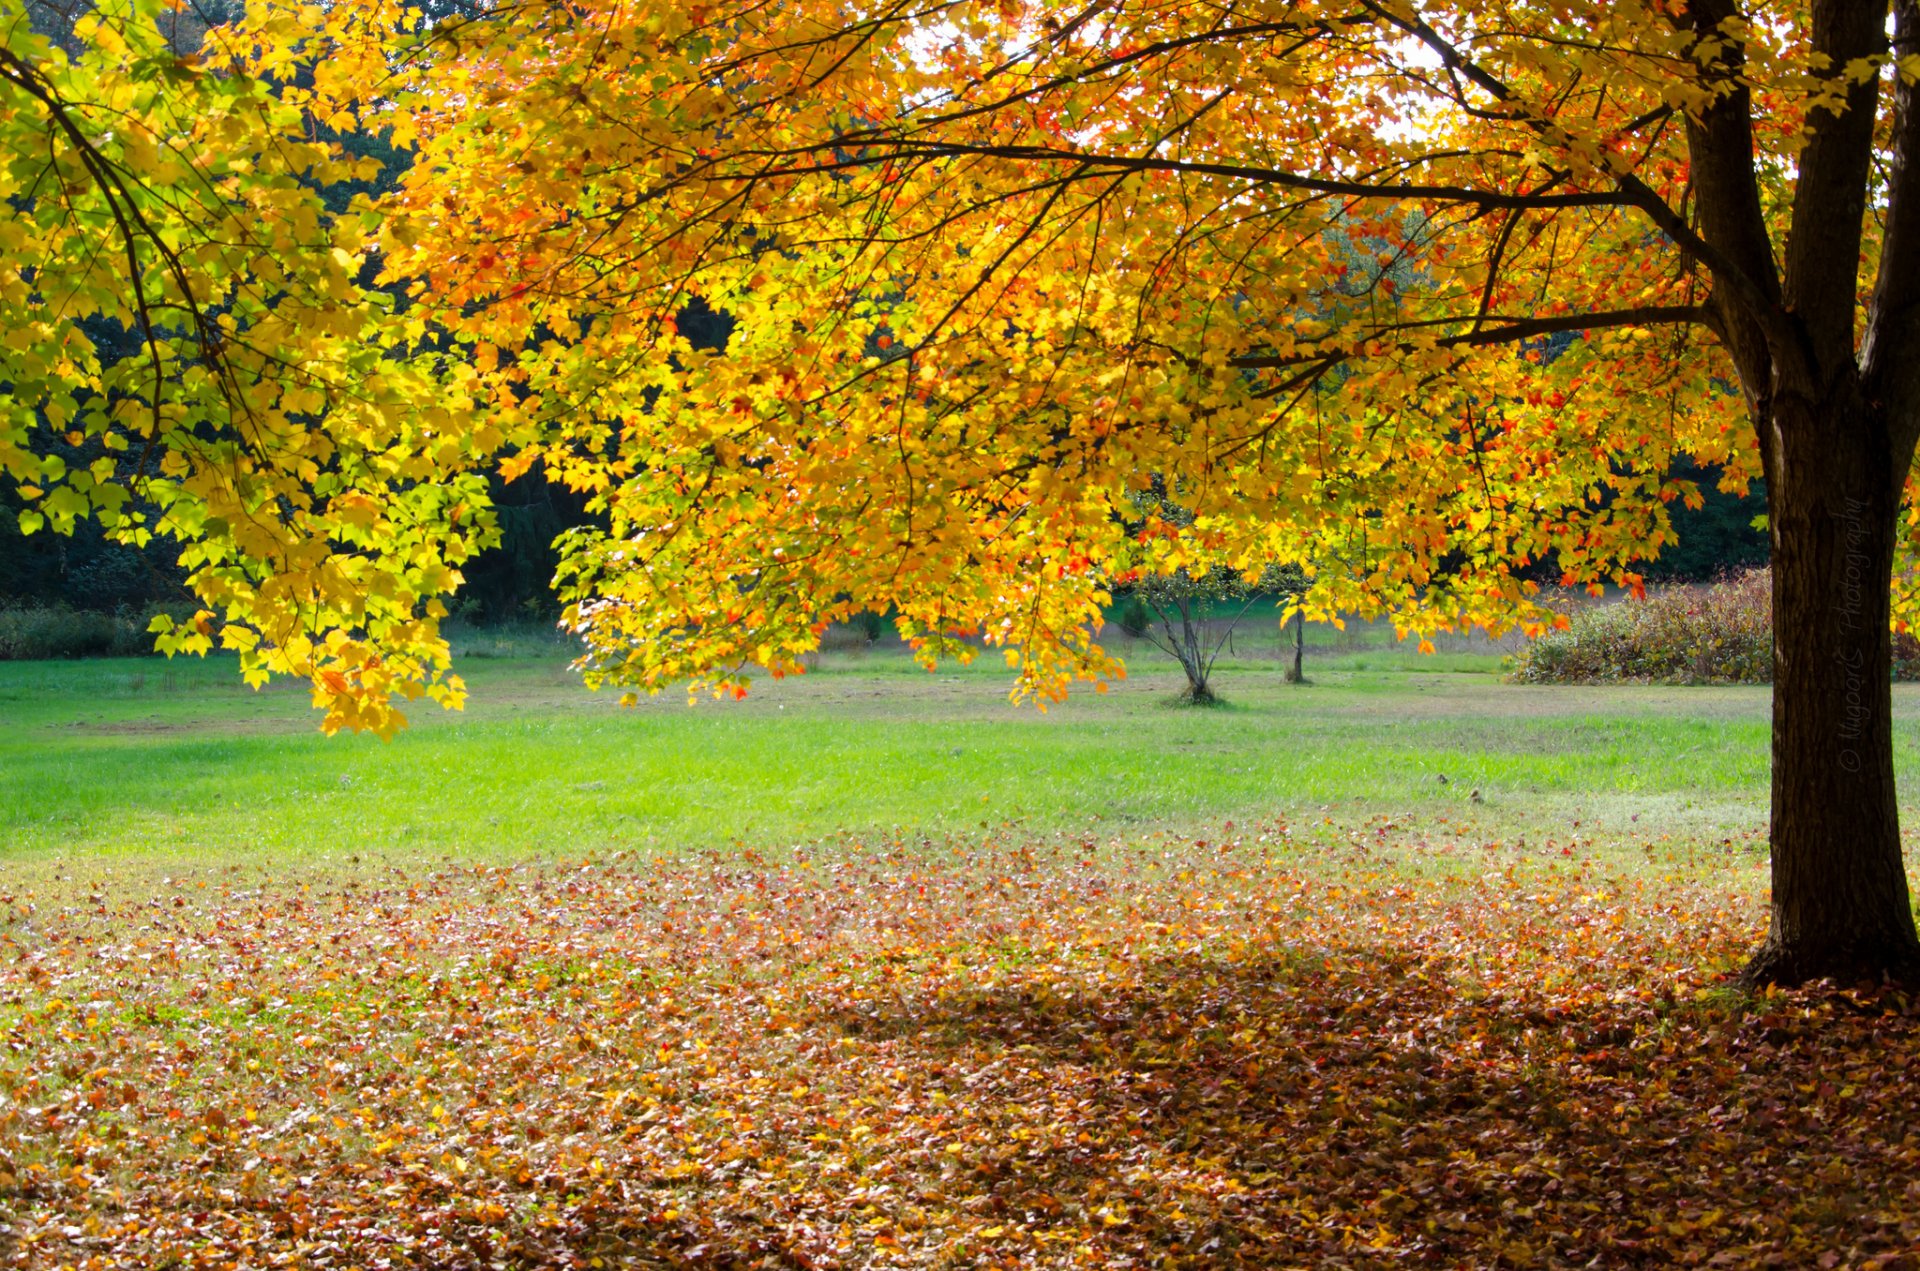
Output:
x=110 y=757
x=874 y=971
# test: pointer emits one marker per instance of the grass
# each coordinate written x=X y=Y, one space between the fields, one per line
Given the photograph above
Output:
x=138 y=757
x=873 y=970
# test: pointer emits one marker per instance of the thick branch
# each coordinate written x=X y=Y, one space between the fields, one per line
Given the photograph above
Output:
x=1510 y=331
x=1745 y=278
x=1460 y=194
x=1890 y=355
x=1721 y=146
x=1830 y=199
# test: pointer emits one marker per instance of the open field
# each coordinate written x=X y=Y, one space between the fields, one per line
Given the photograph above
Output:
x=146 y=757
x=870 y=970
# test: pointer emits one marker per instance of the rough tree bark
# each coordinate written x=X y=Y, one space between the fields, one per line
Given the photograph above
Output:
x=1840 y=900
x=1836 y=409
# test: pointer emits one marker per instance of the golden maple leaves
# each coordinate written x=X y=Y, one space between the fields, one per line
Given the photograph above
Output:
x=1382 y=291
x=238 y=389
x=990 y=274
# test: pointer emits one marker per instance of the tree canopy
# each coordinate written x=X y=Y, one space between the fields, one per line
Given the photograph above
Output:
x=1439 y=289
x=996 y=267
x=187 y=317
x=992 y=268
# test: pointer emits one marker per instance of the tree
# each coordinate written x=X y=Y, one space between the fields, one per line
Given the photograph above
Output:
x=1185 y=606
x=1293 y=589
x=186 y=322
x=1186 y=601
x=1437 y=289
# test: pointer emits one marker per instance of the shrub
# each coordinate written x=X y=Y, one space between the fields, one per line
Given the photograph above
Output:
x=32 y=632
x=869 y=625
x=1134 y=618
x=1718 y=634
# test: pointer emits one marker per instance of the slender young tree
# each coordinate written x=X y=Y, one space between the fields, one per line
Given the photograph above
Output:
x=1196 y=611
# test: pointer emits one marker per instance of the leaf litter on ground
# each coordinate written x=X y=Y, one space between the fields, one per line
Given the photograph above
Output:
x=1019 y=1052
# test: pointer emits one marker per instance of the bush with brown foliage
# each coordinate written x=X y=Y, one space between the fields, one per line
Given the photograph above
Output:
x=1721 y=633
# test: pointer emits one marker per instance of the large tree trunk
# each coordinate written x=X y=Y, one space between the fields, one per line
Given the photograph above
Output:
x=1840 y=901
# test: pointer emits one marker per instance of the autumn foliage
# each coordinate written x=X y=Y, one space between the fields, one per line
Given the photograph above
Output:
x=186 y=312
x=993 y=268
x=996 y=268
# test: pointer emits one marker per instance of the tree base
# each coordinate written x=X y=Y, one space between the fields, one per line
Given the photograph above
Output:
x=1199 y=695
x=1785 y=964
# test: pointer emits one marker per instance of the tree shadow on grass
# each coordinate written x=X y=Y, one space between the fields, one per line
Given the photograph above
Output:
x=1354 y=1110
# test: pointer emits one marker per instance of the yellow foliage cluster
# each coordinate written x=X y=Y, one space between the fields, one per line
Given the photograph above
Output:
x=1399 y=293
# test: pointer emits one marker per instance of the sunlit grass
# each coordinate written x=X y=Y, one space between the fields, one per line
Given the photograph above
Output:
x=879 y=970
x=144 y=757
